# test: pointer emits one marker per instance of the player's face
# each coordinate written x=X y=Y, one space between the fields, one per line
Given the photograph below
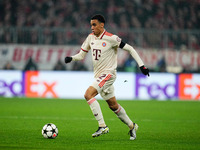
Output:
x=97 y=27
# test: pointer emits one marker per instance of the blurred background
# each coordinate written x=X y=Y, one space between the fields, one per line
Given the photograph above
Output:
x=36 y=36
x=165 y=33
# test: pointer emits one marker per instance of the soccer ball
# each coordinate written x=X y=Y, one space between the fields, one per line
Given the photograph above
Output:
x=50 y=131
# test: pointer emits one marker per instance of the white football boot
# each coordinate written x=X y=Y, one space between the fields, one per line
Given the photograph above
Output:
x=100 y=131
x=133 y=132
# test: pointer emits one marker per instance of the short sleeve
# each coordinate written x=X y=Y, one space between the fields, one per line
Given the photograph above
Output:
x=86 y=44
x=116 y=41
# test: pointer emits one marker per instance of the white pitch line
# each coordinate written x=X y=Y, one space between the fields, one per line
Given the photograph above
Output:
x=43 y=117
x=81 y=118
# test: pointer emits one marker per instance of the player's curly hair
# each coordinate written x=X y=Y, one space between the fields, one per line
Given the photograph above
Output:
x=99 y=17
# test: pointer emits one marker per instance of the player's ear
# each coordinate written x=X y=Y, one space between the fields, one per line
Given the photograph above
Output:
x=102 y=25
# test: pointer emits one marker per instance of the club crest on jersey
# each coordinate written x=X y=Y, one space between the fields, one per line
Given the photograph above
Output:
x=104 y=44
x=119 y=39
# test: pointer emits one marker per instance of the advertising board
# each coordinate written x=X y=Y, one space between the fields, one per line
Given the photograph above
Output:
x=46 y=56
x=158 y=86
x=11 y=83
x=73 y=84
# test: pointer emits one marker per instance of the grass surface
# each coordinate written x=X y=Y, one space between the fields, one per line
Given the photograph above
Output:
x=162 y=125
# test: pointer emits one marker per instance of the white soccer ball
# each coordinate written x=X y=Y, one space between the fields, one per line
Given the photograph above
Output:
x=50 y=131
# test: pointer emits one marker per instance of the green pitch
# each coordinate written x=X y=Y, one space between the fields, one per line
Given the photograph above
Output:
x=162 y=125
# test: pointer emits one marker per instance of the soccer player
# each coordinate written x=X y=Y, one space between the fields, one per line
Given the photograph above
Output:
x=103 y=46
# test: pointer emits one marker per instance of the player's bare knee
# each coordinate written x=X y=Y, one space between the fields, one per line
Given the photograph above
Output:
x=87 y=96
x=90 y=93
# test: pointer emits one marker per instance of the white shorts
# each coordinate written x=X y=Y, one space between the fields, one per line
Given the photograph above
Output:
x=104 y=85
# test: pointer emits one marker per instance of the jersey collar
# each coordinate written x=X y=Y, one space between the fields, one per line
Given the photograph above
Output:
x=102 y=34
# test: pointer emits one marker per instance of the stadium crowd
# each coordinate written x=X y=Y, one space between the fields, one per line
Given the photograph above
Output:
x=143 y=23
x=159 y=14
x=73 y=16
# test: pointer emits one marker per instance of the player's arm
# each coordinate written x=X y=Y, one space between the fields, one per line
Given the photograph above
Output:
x=135 y=55
x=85 y=47
x=79 y=56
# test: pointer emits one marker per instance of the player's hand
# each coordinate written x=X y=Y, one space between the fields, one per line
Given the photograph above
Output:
x=144 y=70
x=68 y=59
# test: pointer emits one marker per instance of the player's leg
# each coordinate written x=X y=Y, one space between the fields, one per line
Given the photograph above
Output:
x=121 y=114
x=90 y=93
x=100 y=85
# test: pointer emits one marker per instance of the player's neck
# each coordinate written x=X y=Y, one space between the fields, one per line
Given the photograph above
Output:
x=100 y=34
